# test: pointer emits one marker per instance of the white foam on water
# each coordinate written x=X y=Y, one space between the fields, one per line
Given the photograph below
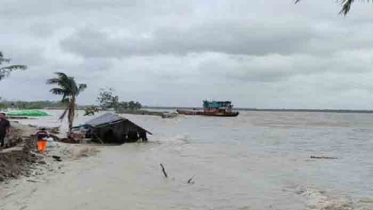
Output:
x=316 y=199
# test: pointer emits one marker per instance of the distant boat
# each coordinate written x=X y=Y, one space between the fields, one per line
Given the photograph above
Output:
x=214 y=109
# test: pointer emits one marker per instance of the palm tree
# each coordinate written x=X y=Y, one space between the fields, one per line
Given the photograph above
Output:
x=346 y=5
x=69 y=89
x=5 y=71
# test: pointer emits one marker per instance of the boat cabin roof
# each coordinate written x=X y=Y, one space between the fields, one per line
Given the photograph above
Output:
x=216 y=104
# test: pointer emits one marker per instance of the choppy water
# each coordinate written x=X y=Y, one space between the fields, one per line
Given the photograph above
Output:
x=259 y=160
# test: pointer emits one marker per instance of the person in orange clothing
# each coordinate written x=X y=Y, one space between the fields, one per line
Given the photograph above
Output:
x=42 y=136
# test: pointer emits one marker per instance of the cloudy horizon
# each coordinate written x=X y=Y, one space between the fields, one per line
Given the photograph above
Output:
x=258 y=54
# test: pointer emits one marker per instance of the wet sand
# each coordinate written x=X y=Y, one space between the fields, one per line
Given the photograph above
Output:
x=20 y=193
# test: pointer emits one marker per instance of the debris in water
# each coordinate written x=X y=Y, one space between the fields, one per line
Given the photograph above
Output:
x=190 y=180
x=322 y=157
x=164 y=171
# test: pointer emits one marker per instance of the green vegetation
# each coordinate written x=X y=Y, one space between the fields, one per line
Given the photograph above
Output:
x=69 y=89
x=29 y=104
x=5 y=71
x=131 y=105
x=108 y=100
x=91 y=110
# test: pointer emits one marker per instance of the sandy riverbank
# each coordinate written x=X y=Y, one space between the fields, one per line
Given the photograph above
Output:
x=14 y=192
x=25 y=163
x=22 y=158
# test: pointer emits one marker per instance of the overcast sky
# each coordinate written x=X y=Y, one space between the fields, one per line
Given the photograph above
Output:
x=257 y=53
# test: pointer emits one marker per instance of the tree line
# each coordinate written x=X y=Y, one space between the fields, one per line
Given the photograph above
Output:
x=108 y=100
x=4 y=104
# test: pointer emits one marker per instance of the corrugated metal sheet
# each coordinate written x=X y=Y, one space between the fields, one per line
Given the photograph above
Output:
x=104 y=119
x=110 y=118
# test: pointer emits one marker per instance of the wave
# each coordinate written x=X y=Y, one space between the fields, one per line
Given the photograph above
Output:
x=316 y=199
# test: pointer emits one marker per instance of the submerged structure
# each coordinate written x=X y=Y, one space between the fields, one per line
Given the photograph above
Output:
x=111 y=128
x=213 y=108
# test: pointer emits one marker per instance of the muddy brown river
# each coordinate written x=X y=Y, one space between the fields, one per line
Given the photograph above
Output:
x=257 y=161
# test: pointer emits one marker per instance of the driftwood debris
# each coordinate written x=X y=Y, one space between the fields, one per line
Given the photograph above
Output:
x=164 y=171
x=190 y=181
x=57 y=158
x=322 y=157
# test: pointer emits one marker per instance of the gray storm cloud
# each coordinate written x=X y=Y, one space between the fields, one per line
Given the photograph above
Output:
x=229 y=38
x=265 y=54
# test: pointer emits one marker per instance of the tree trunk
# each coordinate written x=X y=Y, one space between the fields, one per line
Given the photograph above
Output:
x=71 y=114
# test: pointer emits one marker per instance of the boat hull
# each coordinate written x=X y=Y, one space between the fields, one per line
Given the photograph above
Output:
x=226 y=114
x=210 y=114
x=186 y=112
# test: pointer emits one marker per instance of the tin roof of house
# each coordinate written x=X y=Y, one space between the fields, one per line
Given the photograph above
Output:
x=104 y=119
x=109 y=118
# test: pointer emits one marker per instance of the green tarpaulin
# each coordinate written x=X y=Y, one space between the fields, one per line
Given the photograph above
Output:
x=28 y=113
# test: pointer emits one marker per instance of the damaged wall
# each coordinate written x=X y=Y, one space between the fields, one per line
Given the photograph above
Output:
x=116 y=133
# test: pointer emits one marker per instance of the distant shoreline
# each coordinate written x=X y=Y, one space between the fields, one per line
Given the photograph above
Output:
x=245 y=109
x=275 y=110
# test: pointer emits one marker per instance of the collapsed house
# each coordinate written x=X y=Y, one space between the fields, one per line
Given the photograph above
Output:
x=110 y=128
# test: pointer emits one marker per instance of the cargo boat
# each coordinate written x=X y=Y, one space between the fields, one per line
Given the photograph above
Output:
x=213 y=108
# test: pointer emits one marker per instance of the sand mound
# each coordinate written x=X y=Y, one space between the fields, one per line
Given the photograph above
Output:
x=17 y=162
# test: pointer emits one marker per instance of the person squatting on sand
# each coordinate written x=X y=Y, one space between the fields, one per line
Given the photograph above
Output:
x=42 y=136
